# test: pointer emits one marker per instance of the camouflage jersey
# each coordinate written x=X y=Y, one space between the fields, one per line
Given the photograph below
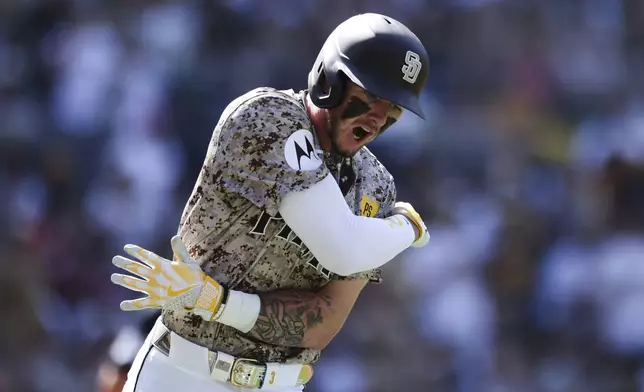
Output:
x=262 y=148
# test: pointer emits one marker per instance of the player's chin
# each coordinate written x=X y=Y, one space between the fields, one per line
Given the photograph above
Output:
x=349 y=146
x=347 y=151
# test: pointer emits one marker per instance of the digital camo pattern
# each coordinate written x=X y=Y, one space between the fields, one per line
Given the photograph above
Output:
x=231 y=224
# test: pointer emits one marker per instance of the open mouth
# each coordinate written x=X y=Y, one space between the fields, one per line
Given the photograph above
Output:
x=360 y=133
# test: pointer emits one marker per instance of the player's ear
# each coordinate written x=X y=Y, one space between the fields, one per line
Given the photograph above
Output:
x=324 y=83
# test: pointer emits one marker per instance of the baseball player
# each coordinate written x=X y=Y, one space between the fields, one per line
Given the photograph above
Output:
x=291 y=216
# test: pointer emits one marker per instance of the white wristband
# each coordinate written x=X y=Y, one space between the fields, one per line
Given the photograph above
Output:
x=241 y=310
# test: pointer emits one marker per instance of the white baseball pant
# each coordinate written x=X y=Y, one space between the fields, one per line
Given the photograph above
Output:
x=153 y=371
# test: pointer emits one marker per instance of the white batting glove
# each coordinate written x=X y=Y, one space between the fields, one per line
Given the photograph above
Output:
x=168 y=284
x=406 y=210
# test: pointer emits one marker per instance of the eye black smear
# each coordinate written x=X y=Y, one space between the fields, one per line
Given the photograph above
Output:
x=355 y=107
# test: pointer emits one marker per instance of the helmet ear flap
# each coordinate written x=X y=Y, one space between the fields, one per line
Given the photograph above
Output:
x=328 y=88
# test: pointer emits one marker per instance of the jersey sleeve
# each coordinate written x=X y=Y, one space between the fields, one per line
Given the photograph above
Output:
x=266 y=149
x=389 y=198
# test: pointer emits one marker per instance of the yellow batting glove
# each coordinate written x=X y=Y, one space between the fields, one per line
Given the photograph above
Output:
x=168 y=284
x=406 y=210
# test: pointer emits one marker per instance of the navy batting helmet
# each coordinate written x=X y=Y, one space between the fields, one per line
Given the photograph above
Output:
x=377 y=53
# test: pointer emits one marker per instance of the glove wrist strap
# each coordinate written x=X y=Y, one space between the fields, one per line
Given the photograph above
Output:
x=209 y=299
x=411 y=219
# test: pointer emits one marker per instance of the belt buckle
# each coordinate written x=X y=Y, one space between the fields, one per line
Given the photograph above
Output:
x=247 y=373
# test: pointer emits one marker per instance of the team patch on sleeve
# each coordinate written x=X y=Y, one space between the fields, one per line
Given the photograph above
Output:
x=299 y=152
x=368 y=206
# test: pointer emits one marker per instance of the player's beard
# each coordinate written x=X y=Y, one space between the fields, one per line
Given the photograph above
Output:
x=333 y=124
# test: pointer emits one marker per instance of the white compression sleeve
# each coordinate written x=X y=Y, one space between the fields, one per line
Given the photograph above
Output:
x=343 y=242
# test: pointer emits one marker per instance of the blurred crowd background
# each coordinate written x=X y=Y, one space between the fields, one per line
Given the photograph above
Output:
x=529 y=173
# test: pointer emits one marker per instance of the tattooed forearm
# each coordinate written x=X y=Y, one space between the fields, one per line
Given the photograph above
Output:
x=287 y=317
